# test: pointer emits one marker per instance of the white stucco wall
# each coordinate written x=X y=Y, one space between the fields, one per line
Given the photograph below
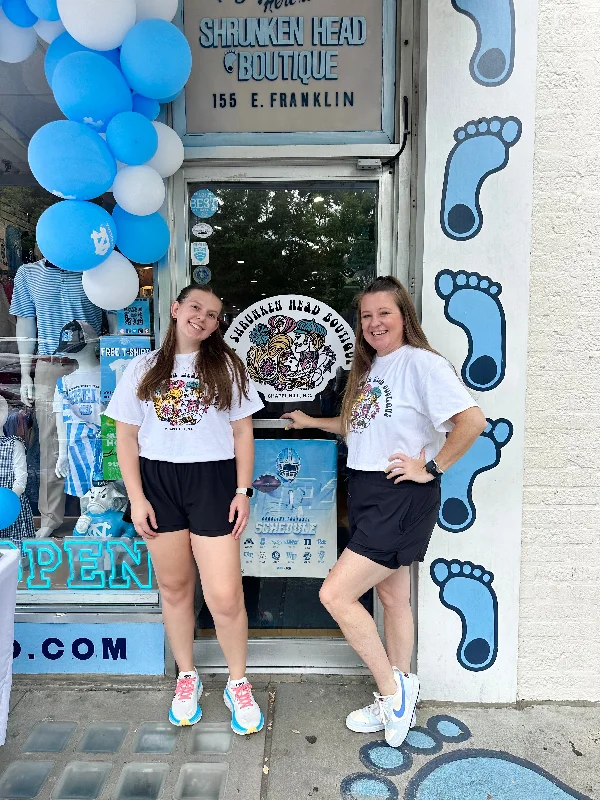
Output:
x=559 y=632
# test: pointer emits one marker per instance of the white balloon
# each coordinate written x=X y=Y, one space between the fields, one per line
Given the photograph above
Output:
x=139 y=190
x=113 y=285
x=16 y=44
x=156 y=9
x=48 y=31
x=98 y=24
x=169 y=154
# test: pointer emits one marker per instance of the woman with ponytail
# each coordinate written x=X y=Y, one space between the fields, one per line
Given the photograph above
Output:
x=186 y=452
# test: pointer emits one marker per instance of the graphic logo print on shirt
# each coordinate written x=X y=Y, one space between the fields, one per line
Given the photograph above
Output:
x=182 y=404
x=365 y=408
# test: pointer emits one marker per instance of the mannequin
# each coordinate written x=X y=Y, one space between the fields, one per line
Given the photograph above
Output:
x=13 y=475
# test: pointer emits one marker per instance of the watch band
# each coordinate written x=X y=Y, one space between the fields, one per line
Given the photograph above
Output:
x=432 y=468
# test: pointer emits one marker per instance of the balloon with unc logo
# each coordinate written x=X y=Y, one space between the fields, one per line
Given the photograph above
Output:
x=89 y=89
x=132 y=138
x=44 y=9
x=142 y=239
x=19 y=13
x=16 y=43
x=156 y=9
x=76 y=235
x=113 y=285
x=170 y=152
x=156 y=59
x=71 y=161
x=63 y=46
x=146 y=105
x=139 y=190
x=98 y=24
x=10 y=508
x=48 y=31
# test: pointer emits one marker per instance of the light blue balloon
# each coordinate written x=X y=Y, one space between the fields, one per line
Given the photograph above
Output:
x=89 y=89
x=171 y=98
x=141 y=239
x=76 y=235
x=19 y=13
x=71 y=161
x=156 y=58
x=10 y=508
x=44 y=9
x=145 y=105
x=64 y=45
x=131 y=138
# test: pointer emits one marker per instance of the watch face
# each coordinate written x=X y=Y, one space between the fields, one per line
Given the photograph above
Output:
x=249 y=492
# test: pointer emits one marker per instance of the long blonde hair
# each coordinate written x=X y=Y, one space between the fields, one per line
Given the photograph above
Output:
x=364 y=353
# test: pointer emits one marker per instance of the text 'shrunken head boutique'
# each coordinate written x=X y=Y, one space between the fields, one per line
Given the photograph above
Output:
x=285 y=154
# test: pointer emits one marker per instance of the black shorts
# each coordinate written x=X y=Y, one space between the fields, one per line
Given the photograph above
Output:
x=391 y=523
x=195 y=496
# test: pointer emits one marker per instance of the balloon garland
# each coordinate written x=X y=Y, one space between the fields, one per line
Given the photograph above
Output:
x=110 y=63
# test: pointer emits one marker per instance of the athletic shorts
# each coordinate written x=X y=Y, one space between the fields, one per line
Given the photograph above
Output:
x=391 y=523
x=195 y=496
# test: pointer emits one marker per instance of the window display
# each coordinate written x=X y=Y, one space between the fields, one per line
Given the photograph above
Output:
x=13 y=476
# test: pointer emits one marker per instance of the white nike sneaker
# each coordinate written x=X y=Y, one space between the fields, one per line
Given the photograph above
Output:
x=185 y=709
x=246 y=716
x=397 y=710
x=369 y=719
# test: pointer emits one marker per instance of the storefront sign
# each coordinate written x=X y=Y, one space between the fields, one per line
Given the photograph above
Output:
x=291 y=345
x=284 y=65
x=200 y=254
x=202 y=230
x=293 y=515
x=135 y=319
x=136 y=648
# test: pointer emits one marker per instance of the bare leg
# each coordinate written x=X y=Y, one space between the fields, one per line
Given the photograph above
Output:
x=218 y=560
x=351 y=577
x=394 y=593
x=173 y=563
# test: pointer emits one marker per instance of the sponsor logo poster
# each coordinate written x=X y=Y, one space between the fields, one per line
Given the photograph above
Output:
x=292 y=345
x=135 y=319
x=293 y=515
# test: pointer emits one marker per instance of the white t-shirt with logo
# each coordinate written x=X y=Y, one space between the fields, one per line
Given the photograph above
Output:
x=403 y=406
x=177 y=425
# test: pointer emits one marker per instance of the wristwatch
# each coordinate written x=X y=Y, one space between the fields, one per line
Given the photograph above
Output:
x=247 y=492
x=432 y=468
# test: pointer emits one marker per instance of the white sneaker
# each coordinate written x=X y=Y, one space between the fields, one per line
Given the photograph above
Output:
x=185 y=709
x=397 y=710
x=246 y=716
x=369 y=719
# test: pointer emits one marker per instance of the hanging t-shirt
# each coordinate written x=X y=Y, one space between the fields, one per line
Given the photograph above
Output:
x=177 y=425
x=403 y=406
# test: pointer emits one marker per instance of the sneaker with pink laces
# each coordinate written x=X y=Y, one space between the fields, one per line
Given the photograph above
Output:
x=185 y=709
x=246 y=716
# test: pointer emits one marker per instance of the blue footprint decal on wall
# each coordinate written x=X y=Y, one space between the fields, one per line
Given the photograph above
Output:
x=472 y=302
x=467 y=589
x=494 y=55
x=457 y=510
x=481 y=148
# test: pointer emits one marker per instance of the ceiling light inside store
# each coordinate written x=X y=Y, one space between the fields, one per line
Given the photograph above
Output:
x=241 y=262
x=253 y=281
x=318 y=199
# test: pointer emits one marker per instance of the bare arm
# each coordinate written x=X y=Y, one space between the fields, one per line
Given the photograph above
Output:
x=300 y=420
x=26 y=340
x=142 y=513
x=243 y=445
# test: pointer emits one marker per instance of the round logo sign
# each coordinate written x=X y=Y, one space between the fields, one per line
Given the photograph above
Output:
x=202 y=275
x=204 y=203
x=202 y=230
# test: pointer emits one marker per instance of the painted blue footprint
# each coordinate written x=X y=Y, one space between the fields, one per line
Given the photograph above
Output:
x=467 y=589
x=481 y=148
x=472 y=302
x=457 y=509
x=494 y=55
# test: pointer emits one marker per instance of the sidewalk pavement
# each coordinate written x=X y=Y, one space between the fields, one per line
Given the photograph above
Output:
x=530 y=752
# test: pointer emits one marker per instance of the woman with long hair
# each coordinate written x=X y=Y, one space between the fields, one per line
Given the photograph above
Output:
x=401 y=400
x=186 y=450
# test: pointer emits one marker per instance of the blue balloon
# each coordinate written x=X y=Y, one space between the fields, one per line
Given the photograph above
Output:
x=89 y=89
x=141 y=239
x=10 y=508
x=44 y=9
x=71 y=161
x=132 y=138
x=19 y=13
x=171 y=98
x=76 y=235
x=145 y=105
x=64 y=45
x=156 y=58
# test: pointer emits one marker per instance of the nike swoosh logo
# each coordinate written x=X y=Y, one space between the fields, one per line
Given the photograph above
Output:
x=400 y=713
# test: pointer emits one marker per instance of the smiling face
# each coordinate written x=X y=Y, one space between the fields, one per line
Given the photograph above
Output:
x=196 y=318
x=381 y=321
